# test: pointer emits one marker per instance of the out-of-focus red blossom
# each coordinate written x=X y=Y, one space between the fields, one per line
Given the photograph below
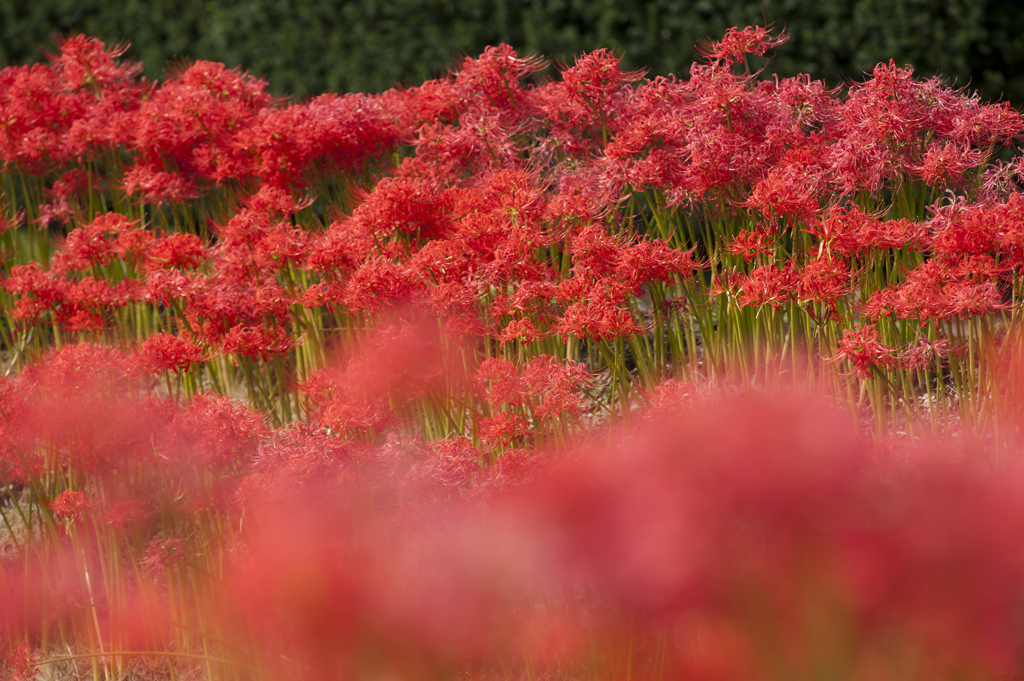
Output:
x=165 y=553
x=398 y=363
x=688 y=527
x=341 y=592
x=790 y=523
x=124 y=513
x=668 y=398
x=215 y=431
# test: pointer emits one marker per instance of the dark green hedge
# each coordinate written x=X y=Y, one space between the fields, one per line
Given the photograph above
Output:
x=309 y=46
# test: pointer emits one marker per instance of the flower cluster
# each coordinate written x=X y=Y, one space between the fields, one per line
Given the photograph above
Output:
x=424 y=383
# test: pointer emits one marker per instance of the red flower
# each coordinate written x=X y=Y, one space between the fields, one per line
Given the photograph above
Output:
x=83 y=61
x=751 y=245
x=861 y=346
x=767 y=285
x=164 y=352
x=504 y=428
x=122 y=514
x=69 y=506
x=21 y=663
x=738 y=43
x=257 y=342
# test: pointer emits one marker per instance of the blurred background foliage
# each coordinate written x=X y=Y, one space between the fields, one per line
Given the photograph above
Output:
x=310 y=46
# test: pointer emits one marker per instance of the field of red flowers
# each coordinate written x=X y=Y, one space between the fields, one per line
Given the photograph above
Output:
x=509 y=377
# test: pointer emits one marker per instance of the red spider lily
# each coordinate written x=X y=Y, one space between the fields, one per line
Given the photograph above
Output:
x=521 y=330
x=738 y=43
x=171 y=287
x=549 y=386
x=504 y=428
x=946 y=164
x=961 y=230
x=257 y=342
x=40 y=107
x=30 y=280
x=215 y=306
x=668 y=398
x=164 y=554
x=341 y=249
x=81 y=101
x=165 y=352
x=21 y=663
x=958 y=228
x=455 y=303
x=768 y=285
x=59 y=212
x=216 y=431
x=558 y=384
x=824 y=281
x=923 y=353
x=329 y=133
x=849 y=231
x=453 y=466
x=158 y=187
x=405 y=205
x=596 y=251
x=276 y=201
x=493 y=81
x=583 y=106
x=76 y=367
x=68 y=185
x=791 y=188
x=481 y=143
x=501 y=382
x=124 y=514
x=69 y=506
x=184 y=251
x=92 y=245
x=600 y=316
x=82 y=61
x=940 y=290
x=193 y=118
x=861 y=345
x=9 y=222
x=380 y=284
x=652 y=261
x=751 y=245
